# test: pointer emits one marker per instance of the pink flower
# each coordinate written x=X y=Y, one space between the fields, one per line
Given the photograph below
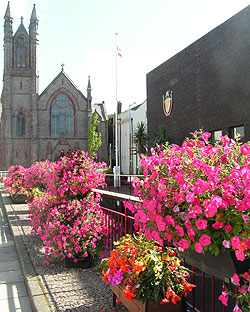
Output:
x=236 y=279
x=179 y=230
x=205 y=136
x=85 y=255
x=235 y=242
x=240 y=255
x=248 y=243
x=184 y=243
x=237 y=308
x=217 y=225
x=228 y=228
x=226 y=244
x=201 y=224
x=205 y=240
x=243 y=290
x=198 y=247
x=223 y=298
x=245 y=218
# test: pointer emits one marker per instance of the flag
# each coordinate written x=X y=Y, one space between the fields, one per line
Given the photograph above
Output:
x=119 y=52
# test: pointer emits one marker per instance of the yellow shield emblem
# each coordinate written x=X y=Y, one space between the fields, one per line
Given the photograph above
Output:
x=167 y=102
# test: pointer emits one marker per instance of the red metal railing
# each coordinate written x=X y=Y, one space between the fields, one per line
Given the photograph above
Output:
x=204 y=298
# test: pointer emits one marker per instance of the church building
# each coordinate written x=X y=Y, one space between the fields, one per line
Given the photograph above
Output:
x=37 y=127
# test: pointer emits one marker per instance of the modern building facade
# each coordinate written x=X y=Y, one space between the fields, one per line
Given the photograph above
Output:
x=128 y=120
x=37 y=127
x=206 y=85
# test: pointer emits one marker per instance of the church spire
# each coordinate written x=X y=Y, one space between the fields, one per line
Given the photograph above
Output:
x=89 y=97
x=8 y=23
x=33 y=27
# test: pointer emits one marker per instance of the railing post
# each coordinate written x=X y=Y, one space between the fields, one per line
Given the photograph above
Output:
x=126 y=221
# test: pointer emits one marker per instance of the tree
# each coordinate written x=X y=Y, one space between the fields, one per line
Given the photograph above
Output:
x=94 y=137
x=140 y=138
x=160 y=136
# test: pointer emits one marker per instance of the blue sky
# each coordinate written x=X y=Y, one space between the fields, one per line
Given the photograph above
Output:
x=81 y=34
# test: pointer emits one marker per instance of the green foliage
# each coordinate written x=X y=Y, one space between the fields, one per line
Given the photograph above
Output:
x=94 y=138
x=160 y=136
x=140 y=138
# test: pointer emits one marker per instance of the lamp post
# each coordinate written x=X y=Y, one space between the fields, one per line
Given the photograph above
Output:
x=130 y=138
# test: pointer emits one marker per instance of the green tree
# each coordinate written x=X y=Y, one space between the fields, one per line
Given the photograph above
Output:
x=140 y=138
x=94 y=137
x=160 y=136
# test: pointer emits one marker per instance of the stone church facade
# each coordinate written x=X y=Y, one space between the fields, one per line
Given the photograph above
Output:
x=37 y=127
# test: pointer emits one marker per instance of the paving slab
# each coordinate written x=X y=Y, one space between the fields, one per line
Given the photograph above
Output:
x=11 y=277
x=8 y=257
x=12 y=290
x=9 y=266
x=15 y=305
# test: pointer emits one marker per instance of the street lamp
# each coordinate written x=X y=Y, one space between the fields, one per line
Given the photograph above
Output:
x=130 y=138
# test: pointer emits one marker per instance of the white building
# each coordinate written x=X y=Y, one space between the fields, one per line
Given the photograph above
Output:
x=127 y=121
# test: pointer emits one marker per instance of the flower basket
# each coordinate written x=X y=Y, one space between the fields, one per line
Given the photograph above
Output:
x=85 y=263
x=138 y=306
x=146 y=275
x=222 y=266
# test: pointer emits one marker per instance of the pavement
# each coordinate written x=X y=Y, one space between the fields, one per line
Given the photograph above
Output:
x=19 y=285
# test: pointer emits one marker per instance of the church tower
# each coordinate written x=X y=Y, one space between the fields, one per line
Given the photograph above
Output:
x=19 y=96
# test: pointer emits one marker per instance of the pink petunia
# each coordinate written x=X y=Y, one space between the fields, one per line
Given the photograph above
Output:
x=201 y=224
x=237 y=309
x=226 y=244
x=235 y=242
x=245 y=218
x=205 y=136
x=198 y=247
x=228 y=228
x=240 y=255
x=236 y=279
x=184 y=243
x=205 y=240
x=223 y=298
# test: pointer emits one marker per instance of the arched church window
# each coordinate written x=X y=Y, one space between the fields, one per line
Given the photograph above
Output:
x=62 y=117
x=21 y=52
x=20 y=124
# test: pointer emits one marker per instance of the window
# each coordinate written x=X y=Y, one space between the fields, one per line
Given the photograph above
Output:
x=62 y=119
x=237 y=131
x=215 y=135
x=21 y=52
x=20 y=124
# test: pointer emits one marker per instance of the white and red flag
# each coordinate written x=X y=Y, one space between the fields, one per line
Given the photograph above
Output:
x=119 y=52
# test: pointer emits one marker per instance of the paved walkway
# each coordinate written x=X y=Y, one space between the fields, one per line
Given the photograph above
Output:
x=13 y=293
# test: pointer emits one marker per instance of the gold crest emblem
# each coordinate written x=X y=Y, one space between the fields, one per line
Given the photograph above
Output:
x=167 y=102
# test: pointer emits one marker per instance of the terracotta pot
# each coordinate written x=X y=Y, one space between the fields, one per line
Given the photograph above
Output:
x=222 y=266
x=86 y=263
x=139 y=306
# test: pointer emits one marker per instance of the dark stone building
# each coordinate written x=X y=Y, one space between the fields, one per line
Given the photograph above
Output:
x=209 y=82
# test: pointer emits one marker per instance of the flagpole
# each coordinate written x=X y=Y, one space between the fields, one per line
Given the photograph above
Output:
x=116 y=117
x=116 y=169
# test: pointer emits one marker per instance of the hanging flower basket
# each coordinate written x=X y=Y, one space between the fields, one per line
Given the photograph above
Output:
x=222 y=266
x=138 y=305
x=146 y=277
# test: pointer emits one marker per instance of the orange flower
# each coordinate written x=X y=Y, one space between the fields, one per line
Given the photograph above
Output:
x=188 y=287
x=175 y=298
x=165 y=300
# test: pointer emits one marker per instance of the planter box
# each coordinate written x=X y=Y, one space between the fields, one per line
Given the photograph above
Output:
x=86 y=263
x=18 y=198
x=222 y=266
x=139 y=306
